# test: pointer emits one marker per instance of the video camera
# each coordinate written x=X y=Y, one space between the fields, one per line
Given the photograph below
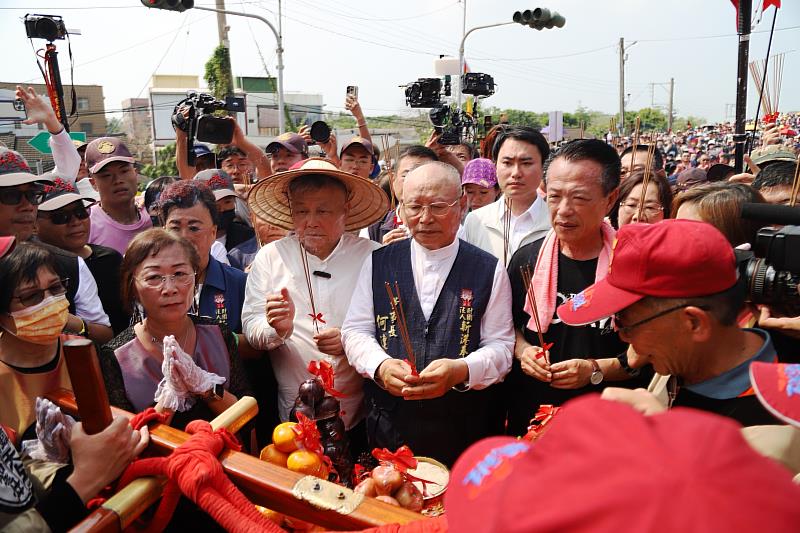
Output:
x=771 y=271
x=453 y=125
x=203 y=121
x=47 y=27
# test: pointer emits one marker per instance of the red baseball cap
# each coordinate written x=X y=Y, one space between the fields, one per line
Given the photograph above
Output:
x=670 y=259
x=778 y=389
x=604 y=467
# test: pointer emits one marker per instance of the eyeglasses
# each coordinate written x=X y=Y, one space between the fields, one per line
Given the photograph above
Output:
x=156 y=281
x=12 y=196
x=627 y=329
x=242 y=166
x=60 y=217
x=35 y=296
x=650 y=210
x=437 y=209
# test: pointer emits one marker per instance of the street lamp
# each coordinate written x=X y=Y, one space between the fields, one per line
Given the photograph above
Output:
x=539 y=19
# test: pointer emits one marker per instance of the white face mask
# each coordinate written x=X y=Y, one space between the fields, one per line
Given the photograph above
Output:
x=43 y=322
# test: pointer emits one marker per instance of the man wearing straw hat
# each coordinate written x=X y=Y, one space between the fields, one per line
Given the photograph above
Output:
x=299 y=286
x=429 y=325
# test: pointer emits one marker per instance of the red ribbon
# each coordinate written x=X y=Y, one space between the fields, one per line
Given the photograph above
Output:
x=317 y=318
x=546 y=347
x=543 y=416
x=413 y=367
x=324 y=371
x=309 y=438
x=401 y=460
x=771 y=118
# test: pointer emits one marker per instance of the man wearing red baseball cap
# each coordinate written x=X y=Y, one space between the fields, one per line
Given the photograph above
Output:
x=672 y=290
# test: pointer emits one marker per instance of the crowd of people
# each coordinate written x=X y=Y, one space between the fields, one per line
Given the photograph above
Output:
x=526 y=275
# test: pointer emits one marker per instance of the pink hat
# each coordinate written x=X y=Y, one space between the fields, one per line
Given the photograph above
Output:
x=480 y=172
x=671 y=259
x=604 y=467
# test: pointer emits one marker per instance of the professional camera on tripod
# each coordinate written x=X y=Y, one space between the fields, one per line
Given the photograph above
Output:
x=453 y=125
x=201 y=119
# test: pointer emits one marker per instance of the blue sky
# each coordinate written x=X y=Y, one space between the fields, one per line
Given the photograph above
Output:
x=379 y=45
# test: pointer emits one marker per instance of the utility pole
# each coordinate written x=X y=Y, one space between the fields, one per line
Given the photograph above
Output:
x=669 y=107
x=743 y=30
x=222 y=25
x=621 y=85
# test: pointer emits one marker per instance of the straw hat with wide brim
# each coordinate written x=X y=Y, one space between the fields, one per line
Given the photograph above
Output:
x=269 y=198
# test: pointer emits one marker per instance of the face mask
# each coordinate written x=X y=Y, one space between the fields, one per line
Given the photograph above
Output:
x=226 y=218
x=43 y=322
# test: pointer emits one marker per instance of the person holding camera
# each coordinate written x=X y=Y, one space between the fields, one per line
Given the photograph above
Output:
x=673 y=294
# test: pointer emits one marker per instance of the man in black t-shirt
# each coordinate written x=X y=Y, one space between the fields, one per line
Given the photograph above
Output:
x=672 y=290
x=581 y=180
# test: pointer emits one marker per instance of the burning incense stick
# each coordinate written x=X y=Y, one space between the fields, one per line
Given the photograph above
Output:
x=635 y=143
x=527 y=280
x=648 y=170
x=315 y=317
x=506 y=231
x=397 y=308
x=795 y=184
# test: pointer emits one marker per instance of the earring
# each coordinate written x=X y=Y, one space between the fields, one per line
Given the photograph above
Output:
x=138 y=313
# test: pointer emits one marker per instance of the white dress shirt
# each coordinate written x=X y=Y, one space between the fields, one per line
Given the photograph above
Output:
x=484 y=227
x=277 y=265
x=87 y=301
x=487 y=365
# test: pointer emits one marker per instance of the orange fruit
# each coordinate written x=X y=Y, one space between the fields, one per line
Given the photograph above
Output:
x=283 y=437
x=305 y=462
x=271 y=515
x=273 y=455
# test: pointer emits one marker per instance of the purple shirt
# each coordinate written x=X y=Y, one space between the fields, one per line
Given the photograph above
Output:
x=108 y=232
x=141 y=371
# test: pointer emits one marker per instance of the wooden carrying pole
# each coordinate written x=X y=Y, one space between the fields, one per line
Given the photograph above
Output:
x=264 y=483
x=87 y=384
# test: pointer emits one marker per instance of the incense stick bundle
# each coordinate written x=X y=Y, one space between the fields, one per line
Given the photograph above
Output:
x=304 y=259
x=648 y=170
x=635 y=144
x=506 y=231
x=387 y=159
x=397 y=308
x=527 y=280
x=795 y=184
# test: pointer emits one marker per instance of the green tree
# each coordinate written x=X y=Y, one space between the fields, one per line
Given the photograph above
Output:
x=165 y=163
x=218 y=72
x=113 y=125
x=649 y=119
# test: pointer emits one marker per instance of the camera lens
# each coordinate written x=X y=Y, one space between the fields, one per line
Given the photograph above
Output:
x=320 y=131
x=47 y=28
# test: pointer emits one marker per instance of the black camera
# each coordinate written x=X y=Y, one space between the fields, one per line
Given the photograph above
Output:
x=425 y=92
x=320 y=132
x=452 y=125
x=771 y=272
x=202 y=122
x=47 y=27
x=477 y=84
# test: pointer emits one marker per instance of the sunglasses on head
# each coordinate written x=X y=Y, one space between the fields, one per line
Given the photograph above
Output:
x=60 y=216
x=13 y=196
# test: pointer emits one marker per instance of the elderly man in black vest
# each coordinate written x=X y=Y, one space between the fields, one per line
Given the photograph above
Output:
x=457 y=306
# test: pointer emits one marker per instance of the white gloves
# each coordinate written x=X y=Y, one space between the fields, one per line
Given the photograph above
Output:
x=53 y=431
x=183 y=379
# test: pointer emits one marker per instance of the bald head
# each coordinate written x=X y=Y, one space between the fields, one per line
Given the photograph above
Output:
x=434 y=177
x=432 y=204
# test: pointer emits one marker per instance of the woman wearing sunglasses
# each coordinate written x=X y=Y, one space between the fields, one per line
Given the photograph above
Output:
x=159 y=278
x=63 y=221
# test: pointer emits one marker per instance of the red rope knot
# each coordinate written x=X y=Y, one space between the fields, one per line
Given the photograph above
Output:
x=324 y=371
x=317 y=318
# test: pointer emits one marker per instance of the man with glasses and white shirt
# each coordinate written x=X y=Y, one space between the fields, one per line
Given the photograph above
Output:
x=457 y=307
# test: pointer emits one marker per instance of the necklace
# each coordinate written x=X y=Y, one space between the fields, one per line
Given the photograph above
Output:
x=160 y=343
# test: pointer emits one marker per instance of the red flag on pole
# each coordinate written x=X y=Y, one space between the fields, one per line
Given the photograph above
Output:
x=764 y=6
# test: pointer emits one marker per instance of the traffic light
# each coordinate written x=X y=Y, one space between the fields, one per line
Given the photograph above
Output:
x=170 y=5
x=539 y=18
